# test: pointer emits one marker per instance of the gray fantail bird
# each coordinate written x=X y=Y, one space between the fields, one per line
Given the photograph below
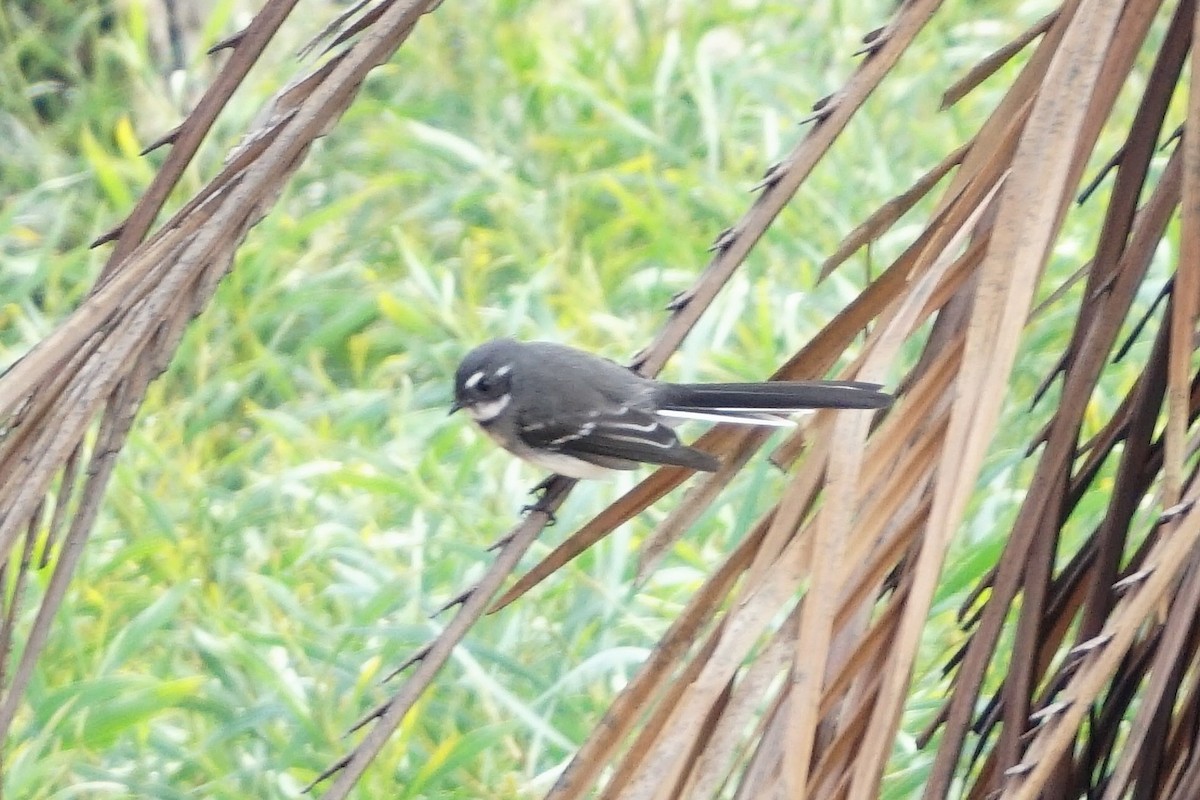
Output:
x=583 y=416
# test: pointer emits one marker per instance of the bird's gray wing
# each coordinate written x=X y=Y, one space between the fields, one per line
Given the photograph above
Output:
x=622 y=433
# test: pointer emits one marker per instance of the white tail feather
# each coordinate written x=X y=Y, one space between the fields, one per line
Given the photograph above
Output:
x=746 y=418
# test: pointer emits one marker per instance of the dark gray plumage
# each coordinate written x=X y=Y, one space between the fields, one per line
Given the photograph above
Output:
x=581 y=415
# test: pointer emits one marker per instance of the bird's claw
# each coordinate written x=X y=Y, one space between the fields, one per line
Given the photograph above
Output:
x=533 y=508
x=540 y=491
x=543 y=486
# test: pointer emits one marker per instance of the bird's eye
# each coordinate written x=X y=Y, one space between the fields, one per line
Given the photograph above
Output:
x=483 y=386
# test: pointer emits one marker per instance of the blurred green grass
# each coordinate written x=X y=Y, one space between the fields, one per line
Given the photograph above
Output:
x=293 y=500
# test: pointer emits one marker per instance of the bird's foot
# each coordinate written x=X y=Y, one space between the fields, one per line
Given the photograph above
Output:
x=541 y=490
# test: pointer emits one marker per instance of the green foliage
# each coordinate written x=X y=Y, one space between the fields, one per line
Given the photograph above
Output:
x=293 y=501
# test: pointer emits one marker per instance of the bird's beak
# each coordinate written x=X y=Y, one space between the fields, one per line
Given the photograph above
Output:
x=455 y=406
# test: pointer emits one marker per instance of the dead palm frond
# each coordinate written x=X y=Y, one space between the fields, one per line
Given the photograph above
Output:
x=789 y=670
x=68 y=404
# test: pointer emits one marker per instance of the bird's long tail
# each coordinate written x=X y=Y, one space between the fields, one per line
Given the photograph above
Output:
x=764 y=403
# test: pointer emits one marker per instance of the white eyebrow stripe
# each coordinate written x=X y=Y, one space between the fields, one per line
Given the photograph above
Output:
x=507 y=368
x=474 y=379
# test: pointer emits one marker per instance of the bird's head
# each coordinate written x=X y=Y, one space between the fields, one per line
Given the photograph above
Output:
x=483 y=382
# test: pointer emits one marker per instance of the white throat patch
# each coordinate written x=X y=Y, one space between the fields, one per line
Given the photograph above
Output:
x=486 y=412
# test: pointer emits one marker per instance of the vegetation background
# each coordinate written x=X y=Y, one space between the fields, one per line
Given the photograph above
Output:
x=293 y=501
